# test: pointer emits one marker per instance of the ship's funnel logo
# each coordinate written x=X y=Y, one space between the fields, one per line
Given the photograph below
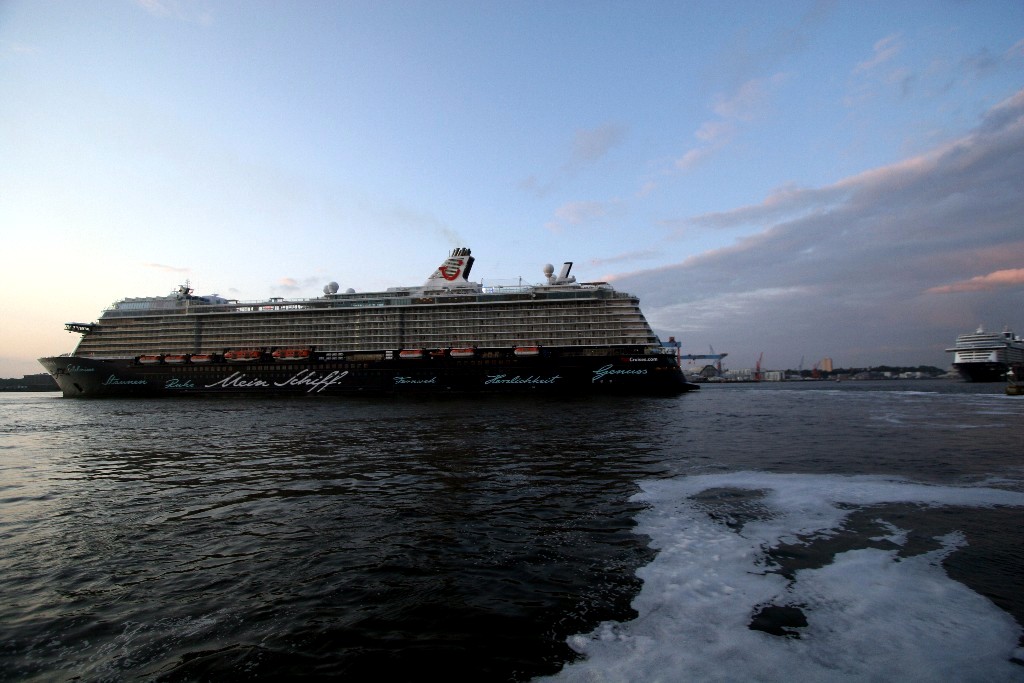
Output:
x=451 y=269
x=454 y=271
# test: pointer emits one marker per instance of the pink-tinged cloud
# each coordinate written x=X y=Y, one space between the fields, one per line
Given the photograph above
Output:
x=883 y=51
x=743 y=105
x=860 y=261
x=998 y=280
x=693 y=157
x=749 y=98
x=711 y=131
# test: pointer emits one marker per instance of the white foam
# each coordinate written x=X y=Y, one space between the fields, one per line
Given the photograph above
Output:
x=872 y=615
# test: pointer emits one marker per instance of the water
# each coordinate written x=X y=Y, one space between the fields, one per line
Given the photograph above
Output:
x=854 y=531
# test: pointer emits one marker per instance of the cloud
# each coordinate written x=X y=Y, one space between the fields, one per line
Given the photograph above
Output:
x=588 y=147
x=695 y=157
x=167 y=269
x=981 y=63
x=578 y=213
x=420 y=221
x=625 y=257
x=1013 y=277
x=188 y=11
x=786 y=202
x=591 y=145
x=879 y=73
x=748 y=99
x=713 y=131
x=743 y=105
x=885 y=259
x=289 y=285
x=883 y=51
x=753 y=53
x=17 y=48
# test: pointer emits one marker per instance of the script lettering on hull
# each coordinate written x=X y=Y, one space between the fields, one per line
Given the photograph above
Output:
x=114 y=379
x=608 y=370
x=311 y=380
x=316 y=381
x=517 y=379
x=409 y=380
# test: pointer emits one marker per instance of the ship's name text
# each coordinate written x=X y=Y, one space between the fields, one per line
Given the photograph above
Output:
x=79 y=368
x=410 y=380
x=532 y=379
x=114 y=379
x=608 y=370
x=316 y=381
x=313 y=380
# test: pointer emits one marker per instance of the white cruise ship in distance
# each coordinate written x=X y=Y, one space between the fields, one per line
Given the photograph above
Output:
x=986 y=356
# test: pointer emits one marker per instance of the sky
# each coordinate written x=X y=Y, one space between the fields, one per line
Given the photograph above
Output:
x=787 y=181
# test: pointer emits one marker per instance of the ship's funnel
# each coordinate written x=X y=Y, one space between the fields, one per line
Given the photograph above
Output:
x=453 y=272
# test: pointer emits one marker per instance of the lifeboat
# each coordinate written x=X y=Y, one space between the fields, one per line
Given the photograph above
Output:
x=527 y=351
x=411 y=353
x=462 y=353
x=241 y=356
x=291 y=354
x=202 y=358
x=150 y=360
x=175 y=359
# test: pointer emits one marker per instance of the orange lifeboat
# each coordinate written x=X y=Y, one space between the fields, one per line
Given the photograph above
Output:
x=202 y=358
x=527 y=351
x=291 y=354
x=246 y=356
x=411 y=353
x=462 y=353
x=150 y=360
x=175 y=359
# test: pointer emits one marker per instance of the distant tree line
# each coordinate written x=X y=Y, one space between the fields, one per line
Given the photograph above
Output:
x=40 y=382
x=879 y=370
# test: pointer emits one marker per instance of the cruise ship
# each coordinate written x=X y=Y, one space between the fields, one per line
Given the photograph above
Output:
x=449 y=335
x=986 y=356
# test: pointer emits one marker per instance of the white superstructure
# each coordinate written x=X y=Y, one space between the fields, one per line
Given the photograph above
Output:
x=448 y=311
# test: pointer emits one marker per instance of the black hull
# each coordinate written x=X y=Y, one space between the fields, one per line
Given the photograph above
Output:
x=982 y=372
x=606 y=374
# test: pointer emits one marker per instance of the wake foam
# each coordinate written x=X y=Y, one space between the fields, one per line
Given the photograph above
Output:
x=715 y=606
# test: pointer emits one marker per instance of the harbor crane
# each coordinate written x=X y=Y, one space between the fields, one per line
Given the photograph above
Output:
x=712 y=356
